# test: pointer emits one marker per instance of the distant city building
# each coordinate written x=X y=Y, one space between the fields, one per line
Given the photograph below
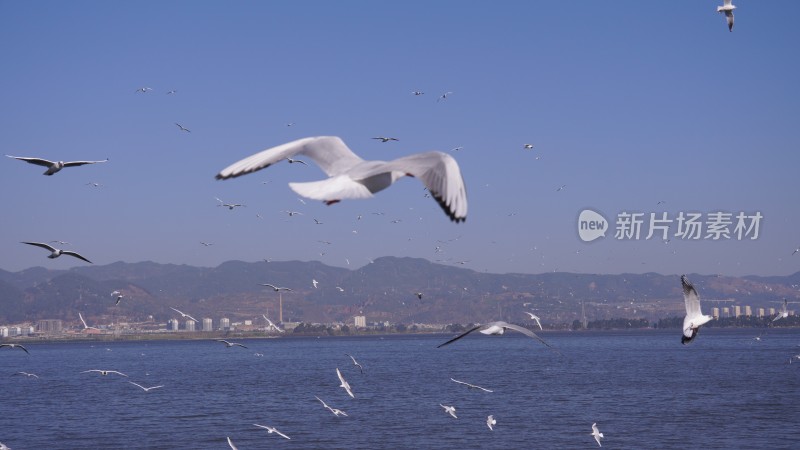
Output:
x=726 y=312
x=173 y=324
x=737 y=311
x=189 y=325
x=224 y=323
x=3 y=331
x=208 y=324
x=360 y=321
x=248 y=323
x=49 y=326
x=760 y=312
x=772 y=311
x=747 y=311
x=715 y=312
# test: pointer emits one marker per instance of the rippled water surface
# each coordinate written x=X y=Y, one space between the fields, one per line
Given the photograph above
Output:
x=643 y=388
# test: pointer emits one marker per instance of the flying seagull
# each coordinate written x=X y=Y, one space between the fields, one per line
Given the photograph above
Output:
x=15 y=346
x=85 y=327
x=471 y=386
x=443 y=96
x=230 y=443
x=597 y=434
x=350 y=176
x=146 y=389
x=271 y=325
x=183 y=128
x=491 y=422
x=355 y=363
x=385 y=139
x=450 y=410
x=417 y=92
x=104 y=372
x=4 y=446
x=496 y=328
x=314 y=282
x=784 y=312
x=228 y=205
x=727 y=8
x=229 y=344
x=119 y=296
x=56 y=252
x=536 y=318
x=271 y=430
x=26 y=374
x=336 y=412
x=275 y=288
x=694 y=318
x=54 y=166
x=344 y=384
x=183 y=314
x=143 y=90
x=528 y=146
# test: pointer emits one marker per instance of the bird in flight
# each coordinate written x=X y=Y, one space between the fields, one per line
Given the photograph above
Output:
x=275 y=288
x=355 y=363
x=497 y=328
x=694 y=318
x=336 y=412
x=26 y=374
x=536 y=318
x=85 y=327
x=119 y=296
x=784 y=312
x=471 y=386
x=271 y=325
x=230 y=344
x=443 y=96
x=228 y=205
x=449 y=410
x=15 y=346
x=54 y=166
x=597 y=434
x=386 y=139
x=183 y=314
x=345 y=385
x=350 y=176
x=299 y=161
x=104 y=372
x=528 y=146
x=183 y=128
x=230 y=443
x=315 y=283
x=727 y=8
x=271 y=430
x=417 y=92
x=143 y=90
x=491 y=422
x=146 y=389
x=56 y=252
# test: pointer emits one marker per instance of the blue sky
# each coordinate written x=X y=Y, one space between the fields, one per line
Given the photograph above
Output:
x=627 y=103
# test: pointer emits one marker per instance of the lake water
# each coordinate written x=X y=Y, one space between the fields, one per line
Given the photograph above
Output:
x=643 y=388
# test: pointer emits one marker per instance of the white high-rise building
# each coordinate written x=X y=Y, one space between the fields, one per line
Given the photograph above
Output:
x=715 y=313
x=208 y=324
x=737 y=311
x=360 y=321
x=173 y=324
x=748 y=311
x=224 y=323
x=189 y=325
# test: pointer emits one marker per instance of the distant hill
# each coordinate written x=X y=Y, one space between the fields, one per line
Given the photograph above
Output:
x=383 y=290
